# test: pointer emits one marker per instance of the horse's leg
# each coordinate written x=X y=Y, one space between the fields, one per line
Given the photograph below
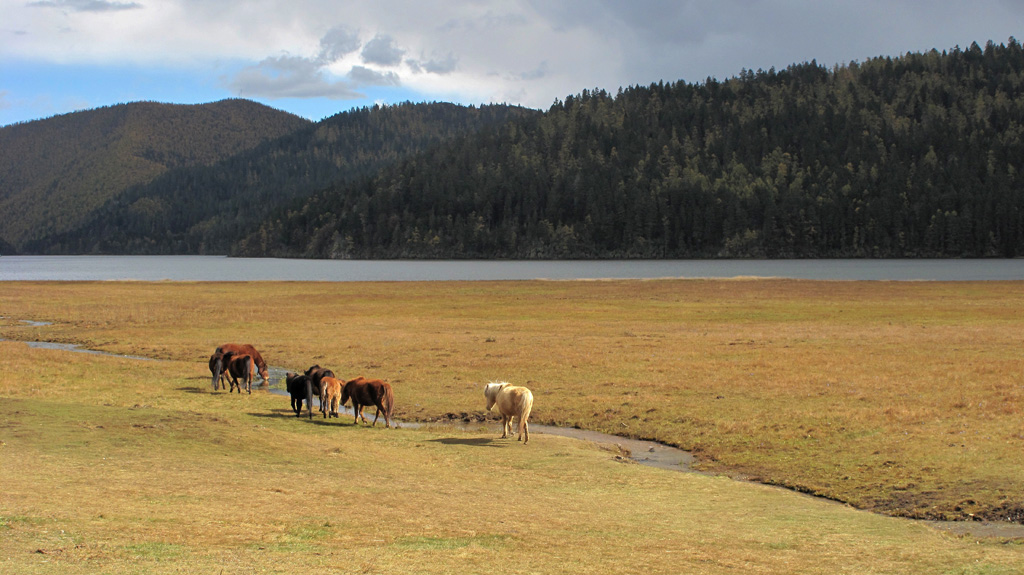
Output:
x=309 y=398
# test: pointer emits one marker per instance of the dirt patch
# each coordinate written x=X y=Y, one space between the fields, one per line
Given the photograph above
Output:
x=455 y=418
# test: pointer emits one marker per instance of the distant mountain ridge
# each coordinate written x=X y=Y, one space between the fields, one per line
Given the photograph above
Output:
x=206 y=209
x=55 y=172
x=915 y=156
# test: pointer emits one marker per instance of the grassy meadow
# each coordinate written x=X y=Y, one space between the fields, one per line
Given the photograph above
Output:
x=903 y=398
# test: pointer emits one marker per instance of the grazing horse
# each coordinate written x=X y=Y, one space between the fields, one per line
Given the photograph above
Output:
x=512 y=401
x=219 y=380
x=330 y=391
x=241 y=366
x=237 y=349
x=365 y=392
x=315 y=374
x=300 y=387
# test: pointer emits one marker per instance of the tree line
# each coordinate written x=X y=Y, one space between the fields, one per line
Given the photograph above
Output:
x=913 y=156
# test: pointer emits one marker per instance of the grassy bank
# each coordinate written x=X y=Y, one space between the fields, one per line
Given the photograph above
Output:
x=114 y=465
x=899 y=397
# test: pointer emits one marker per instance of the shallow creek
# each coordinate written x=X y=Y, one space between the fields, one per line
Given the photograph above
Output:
x=648 y=453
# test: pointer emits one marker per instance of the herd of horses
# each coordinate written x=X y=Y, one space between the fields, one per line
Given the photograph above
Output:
x=234 y=364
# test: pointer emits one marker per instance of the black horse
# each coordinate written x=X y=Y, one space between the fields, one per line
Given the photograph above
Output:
x=300 y=387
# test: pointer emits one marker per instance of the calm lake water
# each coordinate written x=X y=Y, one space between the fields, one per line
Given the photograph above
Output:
x=220 y=268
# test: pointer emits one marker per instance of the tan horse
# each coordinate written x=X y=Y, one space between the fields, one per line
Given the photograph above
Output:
x=513 y=402
x=330 y=394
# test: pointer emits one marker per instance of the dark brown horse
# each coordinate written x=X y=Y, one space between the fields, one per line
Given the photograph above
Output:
x=300 y=387
x=241 y=366
x=228 y=349
x=365 y=392
x=316 y=373
x=219 y=380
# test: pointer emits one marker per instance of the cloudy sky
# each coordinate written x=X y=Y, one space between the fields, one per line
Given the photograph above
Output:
x=316 y=58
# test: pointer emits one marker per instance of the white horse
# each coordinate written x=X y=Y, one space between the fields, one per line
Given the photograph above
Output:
x=512 y=401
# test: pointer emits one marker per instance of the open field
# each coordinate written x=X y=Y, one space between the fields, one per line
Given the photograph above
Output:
x=903 y=398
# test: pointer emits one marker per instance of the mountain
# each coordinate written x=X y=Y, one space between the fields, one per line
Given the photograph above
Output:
x=915 y=156
x=55 y=173
x=205 y=209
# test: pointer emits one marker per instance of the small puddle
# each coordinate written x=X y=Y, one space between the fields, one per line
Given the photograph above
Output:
x=650 y=453
x=31 y=323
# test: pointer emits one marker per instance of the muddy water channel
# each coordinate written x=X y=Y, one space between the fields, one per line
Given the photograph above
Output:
x=645 y=452
x=648 y=453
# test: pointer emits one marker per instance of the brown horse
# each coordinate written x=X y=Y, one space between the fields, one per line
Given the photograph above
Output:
x=300 y=387
x=237 y=349
x=241 y=366
x=365 y=392
x=330 y=392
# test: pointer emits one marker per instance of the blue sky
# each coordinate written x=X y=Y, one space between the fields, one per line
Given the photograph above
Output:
x=316 y=58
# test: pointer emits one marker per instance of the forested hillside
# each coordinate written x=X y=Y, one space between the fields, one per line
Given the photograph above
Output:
x=912 y=156
x=205 y=210
x=55 y=172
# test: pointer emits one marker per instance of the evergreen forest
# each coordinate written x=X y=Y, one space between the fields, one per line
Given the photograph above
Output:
x=916 y=156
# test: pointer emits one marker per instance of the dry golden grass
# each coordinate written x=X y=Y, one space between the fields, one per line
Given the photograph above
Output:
x=899 y=397
x=121 y=466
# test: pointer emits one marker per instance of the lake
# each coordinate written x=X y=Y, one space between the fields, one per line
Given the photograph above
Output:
x=221 y=268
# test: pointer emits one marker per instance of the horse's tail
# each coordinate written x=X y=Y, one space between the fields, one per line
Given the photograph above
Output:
x=218 y=369
x=525 y=407
x=250 y=368
x=389 y=403
x=309 y=397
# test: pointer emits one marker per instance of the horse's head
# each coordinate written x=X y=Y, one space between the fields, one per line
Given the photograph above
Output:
x=491 y=392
